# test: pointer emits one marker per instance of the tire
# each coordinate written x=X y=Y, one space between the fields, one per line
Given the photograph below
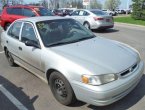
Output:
x=6 y=26
x=9 y=58
x=87 y=25
x=61 y=89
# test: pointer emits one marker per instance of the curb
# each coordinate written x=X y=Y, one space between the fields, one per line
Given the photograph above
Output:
x=129 y=24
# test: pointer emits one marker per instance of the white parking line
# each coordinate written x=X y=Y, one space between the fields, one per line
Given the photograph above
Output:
x=17 y=103
x=2 y=52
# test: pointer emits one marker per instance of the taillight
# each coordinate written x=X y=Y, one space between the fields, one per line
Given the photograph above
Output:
x=96 y=18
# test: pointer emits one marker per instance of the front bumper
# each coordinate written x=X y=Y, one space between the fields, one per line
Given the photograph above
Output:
x=108 y=93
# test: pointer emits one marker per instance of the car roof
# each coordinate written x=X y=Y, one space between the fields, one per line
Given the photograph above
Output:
x=24 y=6
x=41 y=18
x=89 y=10
x=95 y=10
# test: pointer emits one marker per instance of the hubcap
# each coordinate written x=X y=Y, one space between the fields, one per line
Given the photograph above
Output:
x=60 y=88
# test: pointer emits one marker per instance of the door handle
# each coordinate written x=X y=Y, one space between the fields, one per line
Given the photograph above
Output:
x=20 y=48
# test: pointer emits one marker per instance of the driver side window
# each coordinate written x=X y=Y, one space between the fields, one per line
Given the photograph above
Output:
x=28 y=33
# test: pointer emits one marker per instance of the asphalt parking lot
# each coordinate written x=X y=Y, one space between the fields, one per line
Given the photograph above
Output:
x=20 y=89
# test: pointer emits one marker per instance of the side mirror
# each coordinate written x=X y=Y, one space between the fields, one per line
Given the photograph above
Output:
x=30 y=43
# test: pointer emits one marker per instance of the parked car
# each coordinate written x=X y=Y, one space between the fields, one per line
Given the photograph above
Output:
x=62 y=12
x=68 y=11
x=120 y=11
x=112 y=13
x=75 y=63
x=93 y=19
x=58 y=12
x=11 y=13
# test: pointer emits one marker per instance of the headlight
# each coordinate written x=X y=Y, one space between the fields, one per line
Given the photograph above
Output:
x=98 y=79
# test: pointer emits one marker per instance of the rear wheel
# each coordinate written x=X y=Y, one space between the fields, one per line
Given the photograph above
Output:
x=9 y=58
x=61 y=89
x=87 y=25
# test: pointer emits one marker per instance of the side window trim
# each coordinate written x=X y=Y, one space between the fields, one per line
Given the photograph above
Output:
x=33 y=29
x=12 y=28
x=21 y=31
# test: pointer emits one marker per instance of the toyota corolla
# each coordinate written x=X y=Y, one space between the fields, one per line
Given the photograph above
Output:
x=76 y=64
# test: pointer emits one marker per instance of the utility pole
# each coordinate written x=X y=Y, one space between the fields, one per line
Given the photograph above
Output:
x=127 y=4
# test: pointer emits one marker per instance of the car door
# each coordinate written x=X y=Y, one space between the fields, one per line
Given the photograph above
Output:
x=30 y=55
x=13 y=39
x=81 y=16
x=75 y=15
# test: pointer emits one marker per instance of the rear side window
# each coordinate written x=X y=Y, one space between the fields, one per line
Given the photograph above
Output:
x=28 y=12
x=14 y=30
x=86 y=13
x=14 y=11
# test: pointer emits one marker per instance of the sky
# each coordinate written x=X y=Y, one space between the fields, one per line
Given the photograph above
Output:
x=123 y=3
x=122 y=6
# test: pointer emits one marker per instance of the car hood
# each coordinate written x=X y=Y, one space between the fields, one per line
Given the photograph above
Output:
x=99 y=55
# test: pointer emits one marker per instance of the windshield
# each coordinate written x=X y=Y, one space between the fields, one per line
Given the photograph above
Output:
x=44 y=12
x=99 y=12
x=62 y=31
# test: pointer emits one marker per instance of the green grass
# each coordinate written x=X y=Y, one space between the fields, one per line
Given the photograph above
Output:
x=129 y=20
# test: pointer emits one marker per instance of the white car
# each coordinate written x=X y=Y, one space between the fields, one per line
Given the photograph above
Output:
x=93 y=19
x=112 y=13
x=76 y=63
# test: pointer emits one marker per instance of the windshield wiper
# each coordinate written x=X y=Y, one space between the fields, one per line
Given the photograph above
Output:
x=56 y=44
x=84 y=38
x=68 y=42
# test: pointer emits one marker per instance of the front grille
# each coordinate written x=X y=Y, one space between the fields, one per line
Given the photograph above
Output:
x=129 y=70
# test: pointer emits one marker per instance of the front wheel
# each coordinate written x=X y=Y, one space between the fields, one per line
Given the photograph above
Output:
x=87 y=25
x=61 y=89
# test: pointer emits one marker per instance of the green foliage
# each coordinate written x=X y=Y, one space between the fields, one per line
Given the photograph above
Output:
x=129 y=20
x=95 y=4
x=112 y=4
x=138 y=9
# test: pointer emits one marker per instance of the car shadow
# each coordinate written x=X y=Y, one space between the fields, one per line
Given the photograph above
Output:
x=105 y=31
x=18 y=93
x=77 y=104
x=131 y=99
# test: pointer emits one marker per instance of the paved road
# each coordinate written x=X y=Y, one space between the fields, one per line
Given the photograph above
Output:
x=34 y=94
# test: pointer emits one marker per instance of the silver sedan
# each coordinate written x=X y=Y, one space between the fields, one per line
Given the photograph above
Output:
x=93 y=18
x=77 y=64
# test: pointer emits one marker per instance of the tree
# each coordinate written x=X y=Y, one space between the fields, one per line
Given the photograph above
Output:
x=138 y=9
x=95 y=4
x=112 y=4
x=79 y=4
